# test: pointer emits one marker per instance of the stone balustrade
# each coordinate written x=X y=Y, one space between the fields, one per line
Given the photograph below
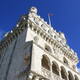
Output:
x=56 y=77
x=46 y=73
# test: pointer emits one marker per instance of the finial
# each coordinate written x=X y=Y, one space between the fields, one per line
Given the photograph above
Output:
x=33 y=10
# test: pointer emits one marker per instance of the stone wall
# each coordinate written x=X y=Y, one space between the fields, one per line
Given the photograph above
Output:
x=12 y=62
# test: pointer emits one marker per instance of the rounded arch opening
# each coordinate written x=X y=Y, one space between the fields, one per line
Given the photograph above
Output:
x=63 y=73
x=55 y=68
x=76 y=78
x=70 y=76
x=45 y=62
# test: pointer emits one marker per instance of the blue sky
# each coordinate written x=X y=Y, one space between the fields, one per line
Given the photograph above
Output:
x=66 y=16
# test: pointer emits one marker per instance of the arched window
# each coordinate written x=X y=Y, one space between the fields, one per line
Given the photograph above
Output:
x=70 y=76
x=45 y=62
x=76 y=78
x=48 y=48
x=65 y=60
x=63 y=73
x=55 y=68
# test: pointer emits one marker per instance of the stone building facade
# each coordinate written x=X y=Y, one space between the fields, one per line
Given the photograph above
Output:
x=33 y=50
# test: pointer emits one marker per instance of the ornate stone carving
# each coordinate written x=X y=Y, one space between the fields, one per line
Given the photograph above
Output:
x=56 y=77
x=45 y=73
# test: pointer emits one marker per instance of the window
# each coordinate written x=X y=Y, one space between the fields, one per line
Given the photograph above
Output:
x=47 y=48
x=65 y=60
x=76 y=78
x=55 y=68
x=70 y=76
x=45 y=62
x=63 y=73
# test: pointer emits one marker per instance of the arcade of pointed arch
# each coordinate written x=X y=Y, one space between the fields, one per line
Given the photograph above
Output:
x=52 y=37
x=47 y=36
x=56 y=69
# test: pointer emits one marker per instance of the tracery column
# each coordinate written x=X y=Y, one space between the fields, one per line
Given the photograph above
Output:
x=60 y=72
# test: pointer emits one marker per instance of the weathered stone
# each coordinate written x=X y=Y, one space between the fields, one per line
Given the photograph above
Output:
x=36 y=52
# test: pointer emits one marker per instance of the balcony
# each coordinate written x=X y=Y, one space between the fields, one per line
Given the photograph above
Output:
x=46 y=73
x=56 y=77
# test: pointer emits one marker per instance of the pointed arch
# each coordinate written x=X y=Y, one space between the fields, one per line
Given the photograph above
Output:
x=45 y=62
x=65 y=60
x=47 y=48
x=63 y=73
x=76 y=78
x=55 y=68
x=70 y=76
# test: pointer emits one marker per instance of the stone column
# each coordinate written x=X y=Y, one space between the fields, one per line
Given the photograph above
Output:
x=67 y=77
x=60 y=72
x=51 y=71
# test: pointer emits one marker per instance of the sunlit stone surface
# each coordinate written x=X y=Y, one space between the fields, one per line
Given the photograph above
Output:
x=33 y=50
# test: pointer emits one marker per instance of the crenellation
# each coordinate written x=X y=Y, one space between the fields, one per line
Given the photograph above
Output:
x=62 y=37
x=33 y=47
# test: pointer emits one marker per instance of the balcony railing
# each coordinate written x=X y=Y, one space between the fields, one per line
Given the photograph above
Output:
x=56 y=77
x=46 y=73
